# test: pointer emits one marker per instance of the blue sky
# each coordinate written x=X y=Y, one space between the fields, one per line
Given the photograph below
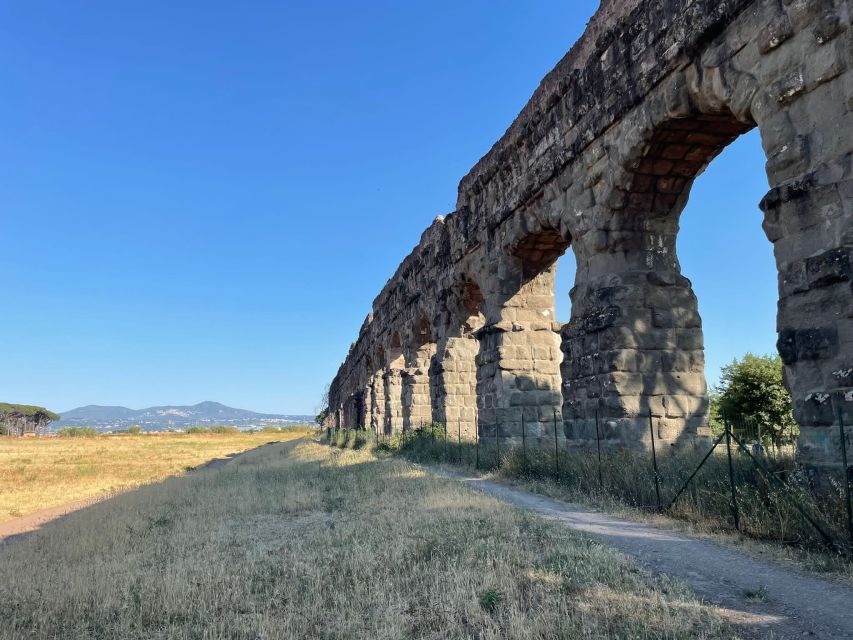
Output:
x=199 y=200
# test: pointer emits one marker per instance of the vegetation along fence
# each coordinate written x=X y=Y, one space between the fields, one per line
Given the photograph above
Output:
x=743 y=479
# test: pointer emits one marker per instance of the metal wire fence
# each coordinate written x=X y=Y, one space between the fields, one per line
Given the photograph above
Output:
x=740 y=479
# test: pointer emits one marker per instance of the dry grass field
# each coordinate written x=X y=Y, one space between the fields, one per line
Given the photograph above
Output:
x=301 y=540
x=37 y=473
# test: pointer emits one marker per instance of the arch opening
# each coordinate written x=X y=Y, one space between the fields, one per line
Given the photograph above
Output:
x=539 y=252
x=636 y=346
x=738 y=297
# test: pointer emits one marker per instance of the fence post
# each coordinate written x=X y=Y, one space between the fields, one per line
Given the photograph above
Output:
x=654 y=459
x=523 y=444
x=498 y=441
x=445 y=440
x=598 y=444
x=731 y=472
x=846 y=470
x=477 y=446
x=556 y=448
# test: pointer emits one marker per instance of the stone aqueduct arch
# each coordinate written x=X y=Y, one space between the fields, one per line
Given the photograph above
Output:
x=602 y=159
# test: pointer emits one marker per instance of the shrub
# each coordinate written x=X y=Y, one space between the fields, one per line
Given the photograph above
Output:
x=78 y=432
x=490 y=599
x=218 y=429
x=135 y=430
x=224 y=429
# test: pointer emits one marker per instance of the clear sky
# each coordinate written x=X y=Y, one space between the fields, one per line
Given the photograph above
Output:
x=200 y=200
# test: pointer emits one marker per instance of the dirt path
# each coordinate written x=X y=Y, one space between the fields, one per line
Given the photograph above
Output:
x=19 y=528
x=764 y=600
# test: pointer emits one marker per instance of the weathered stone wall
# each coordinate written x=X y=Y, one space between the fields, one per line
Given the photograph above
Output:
x=602 y=159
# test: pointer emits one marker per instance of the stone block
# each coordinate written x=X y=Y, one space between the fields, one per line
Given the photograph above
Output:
x=674 y=383
x=622 y=383
x=788 y=160
x=814 y=409
x=677 y=360
x=526 y=384
x=546 y=366
x=803 y=13
x=807 y=344
x=649 y=361
x=618 y=360
x=792 y=278
x=828 y=268
x=774 y=33
x=601 y=318
x=668 y=430
x=690 y=339
x=616 y=406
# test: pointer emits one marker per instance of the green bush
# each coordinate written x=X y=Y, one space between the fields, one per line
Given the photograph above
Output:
x=490 y=600
x=135 y=430
x=224 y=429
x=752 y=390
x=78 y=432
x=219 y=429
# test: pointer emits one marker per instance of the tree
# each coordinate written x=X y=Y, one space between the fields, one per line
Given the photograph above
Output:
x=323 y=412
x=752 y=388
x=18 y=419
x=321 y=417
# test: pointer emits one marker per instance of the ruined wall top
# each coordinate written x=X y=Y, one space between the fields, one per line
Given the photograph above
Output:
x=627 y=48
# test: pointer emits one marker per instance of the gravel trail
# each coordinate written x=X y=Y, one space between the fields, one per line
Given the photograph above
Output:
x=789 y=604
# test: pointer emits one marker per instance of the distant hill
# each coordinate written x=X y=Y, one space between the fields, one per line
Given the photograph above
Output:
x=172 y=417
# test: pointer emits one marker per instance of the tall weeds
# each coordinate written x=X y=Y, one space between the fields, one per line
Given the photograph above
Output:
x=766 y=511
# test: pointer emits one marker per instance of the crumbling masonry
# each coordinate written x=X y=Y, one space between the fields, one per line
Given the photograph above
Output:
x=602 y=159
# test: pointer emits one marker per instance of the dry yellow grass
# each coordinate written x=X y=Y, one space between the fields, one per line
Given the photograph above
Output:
x=299 y=540
x=37 y=473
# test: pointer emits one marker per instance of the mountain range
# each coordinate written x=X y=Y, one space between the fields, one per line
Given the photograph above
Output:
x=173 y=416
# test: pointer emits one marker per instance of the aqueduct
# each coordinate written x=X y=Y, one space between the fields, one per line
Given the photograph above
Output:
x=602 y=159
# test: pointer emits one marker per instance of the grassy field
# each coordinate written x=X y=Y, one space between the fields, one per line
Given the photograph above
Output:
x=37 y=473
x=302 y=540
